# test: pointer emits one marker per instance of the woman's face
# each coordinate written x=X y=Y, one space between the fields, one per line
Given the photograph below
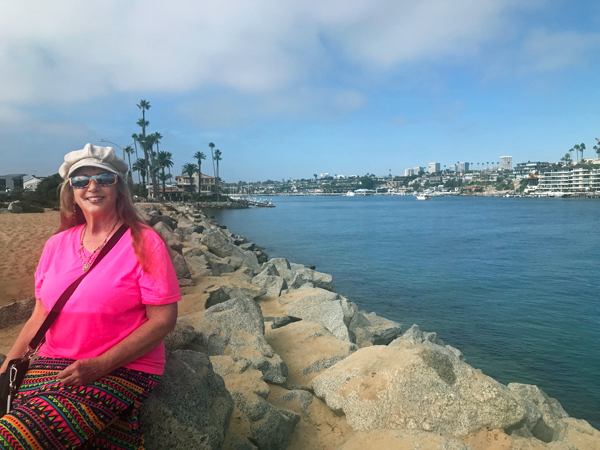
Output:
x=95 y=200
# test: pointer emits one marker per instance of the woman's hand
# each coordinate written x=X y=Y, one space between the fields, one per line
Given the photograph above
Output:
x=82 y=372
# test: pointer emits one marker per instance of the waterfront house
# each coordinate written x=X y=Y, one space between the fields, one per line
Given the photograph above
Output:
x=188 y=185
x=569 y=180
x=31 y=183
x=11 y=181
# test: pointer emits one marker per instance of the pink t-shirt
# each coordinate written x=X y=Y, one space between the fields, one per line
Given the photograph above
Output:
x=109 y=304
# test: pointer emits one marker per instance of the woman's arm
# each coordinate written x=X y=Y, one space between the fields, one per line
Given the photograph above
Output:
x=161 y=321
x=26 y=335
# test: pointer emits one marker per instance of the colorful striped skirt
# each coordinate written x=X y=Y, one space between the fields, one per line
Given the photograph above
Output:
x=100 y=415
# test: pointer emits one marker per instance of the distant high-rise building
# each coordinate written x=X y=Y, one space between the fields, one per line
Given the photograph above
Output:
x=462 y=167
x=418 y=170
x=434 y=167
x=506 y=163
x=408 y=172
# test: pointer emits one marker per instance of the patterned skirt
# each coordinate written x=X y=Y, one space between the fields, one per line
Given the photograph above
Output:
x=100 y=415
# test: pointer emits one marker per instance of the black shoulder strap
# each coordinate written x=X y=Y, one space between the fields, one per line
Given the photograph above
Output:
x=60 y=303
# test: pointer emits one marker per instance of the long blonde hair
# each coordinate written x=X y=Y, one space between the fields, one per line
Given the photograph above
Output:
x=72 y=216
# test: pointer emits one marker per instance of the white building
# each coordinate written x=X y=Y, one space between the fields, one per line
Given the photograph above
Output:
x=462 y=167
x=506 y=163
x=569 y=180
x=434 y=167
x=11 y=181
x=31 y=183
x=408 y=172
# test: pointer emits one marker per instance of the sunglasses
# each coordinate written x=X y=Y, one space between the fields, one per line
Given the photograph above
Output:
x=102 y=179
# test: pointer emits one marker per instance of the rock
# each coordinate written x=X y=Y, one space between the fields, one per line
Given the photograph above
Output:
x=278 y=322
x=2 y=358
x=414 y=336
x=235 y=262
x=202 y=265
x=272 y=284
x=190 y=408
x=370 y=329
x=261 y=256
x=416 y=387
x=251 y=246
x=220 y=246
x=179 y=264
x=321 y=306
x=283 y=267
x=544 y=414
x=318 y=279
x=180 y=337
x=307 y=348
x=13 y=207
x=165 y=231
x=16 y=313
x=224 y=293
x=402 y=439
x=269 y=269
x=241 y=313
x=235 y=442
x=185 y=282
x=176 y=246
x=218 y=338
x=264 y=425
x=154 y=219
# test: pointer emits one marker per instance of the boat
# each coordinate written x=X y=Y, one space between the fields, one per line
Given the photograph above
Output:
x=423 y=197
x=349 y=194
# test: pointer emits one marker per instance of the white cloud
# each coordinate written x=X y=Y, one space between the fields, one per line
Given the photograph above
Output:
x=68 y=51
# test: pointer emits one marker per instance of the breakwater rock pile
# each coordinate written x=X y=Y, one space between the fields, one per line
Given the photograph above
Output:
x=266 y=355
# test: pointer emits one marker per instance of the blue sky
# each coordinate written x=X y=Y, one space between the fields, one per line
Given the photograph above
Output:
x=287 y=89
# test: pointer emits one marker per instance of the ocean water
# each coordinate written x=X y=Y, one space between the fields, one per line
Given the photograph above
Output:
x=513 y=283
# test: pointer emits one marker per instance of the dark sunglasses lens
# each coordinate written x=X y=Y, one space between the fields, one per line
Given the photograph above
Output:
x=80 y=182
x=106 y=179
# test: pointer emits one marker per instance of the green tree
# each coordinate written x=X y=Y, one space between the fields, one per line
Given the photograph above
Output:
x=579 y=148
x=199 y=156
x=217 y=179
x=567 y=158
x=190 y=169
x=140 y=166
x=164 y=160
x=212 y=155
x=597 y=147
x=129 y=150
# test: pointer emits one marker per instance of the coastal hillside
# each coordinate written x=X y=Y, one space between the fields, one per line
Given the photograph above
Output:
x=266 y=355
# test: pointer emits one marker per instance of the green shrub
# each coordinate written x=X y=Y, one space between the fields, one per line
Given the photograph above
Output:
x=29 y=207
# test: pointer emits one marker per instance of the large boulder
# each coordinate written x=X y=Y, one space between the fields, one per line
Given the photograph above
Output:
x=282 y=266
x=544 y=414
x=307 y=348
x=13 y=207
x=220 y=338
x=241 y=313
x=416 y=387
x=16 y=313
x=402 y=439
x=370 y=329
x=414 y=336
x=179 y=264
x=305 y=275
x=225 y=293
x=321 y=306
x=223 y=248
x=171 y=222
x=254 y=420
x=272 y=284
x=190 y=408
x=180 y=338
x=165 y=231
x=199 y=264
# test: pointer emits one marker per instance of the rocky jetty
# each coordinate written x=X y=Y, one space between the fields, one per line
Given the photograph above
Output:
x=266 y=355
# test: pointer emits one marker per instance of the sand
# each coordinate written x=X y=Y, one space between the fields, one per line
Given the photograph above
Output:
x=22 y=239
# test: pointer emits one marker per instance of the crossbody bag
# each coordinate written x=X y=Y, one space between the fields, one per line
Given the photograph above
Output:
x=11 y=380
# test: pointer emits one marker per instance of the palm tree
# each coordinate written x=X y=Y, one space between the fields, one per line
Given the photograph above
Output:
x=144 y=105
x=567 y=158
x=129 y=151
x=140 y=166
x=190 y=169
x=597 y=147
x=199 y=156
x=573 y=150
x=212 y=154
x=579 y=148
x=217 y=180
x=164 y=160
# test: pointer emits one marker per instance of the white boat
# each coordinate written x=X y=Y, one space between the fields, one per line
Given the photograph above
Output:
x=349 y=194
x=423 y=197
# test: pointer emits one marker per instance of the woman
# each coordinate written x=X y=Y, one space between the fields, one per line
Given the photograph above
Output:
x=104 y=354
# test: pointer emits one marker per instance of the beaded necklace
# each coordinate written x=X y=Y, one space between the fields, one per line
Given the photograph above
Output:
x=87 y=261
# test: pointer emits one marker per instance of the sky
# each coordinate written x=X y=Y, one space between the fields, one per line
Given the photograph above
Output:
x=288 y=89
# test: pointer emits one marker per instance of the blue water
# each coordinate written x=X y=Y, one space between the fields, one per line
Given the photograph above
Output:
x=512 y=283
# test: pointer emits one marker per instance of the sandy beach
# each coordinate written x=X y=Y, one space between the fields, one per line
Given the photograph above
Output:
x=22 y=239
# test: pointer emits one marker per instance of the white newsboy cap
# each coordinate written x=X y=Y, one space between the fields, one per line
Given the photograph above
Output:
x=93 y=156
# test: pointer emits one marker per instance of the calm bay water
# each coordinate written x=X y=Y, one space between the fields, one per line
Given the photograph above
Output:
x=512 y=283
